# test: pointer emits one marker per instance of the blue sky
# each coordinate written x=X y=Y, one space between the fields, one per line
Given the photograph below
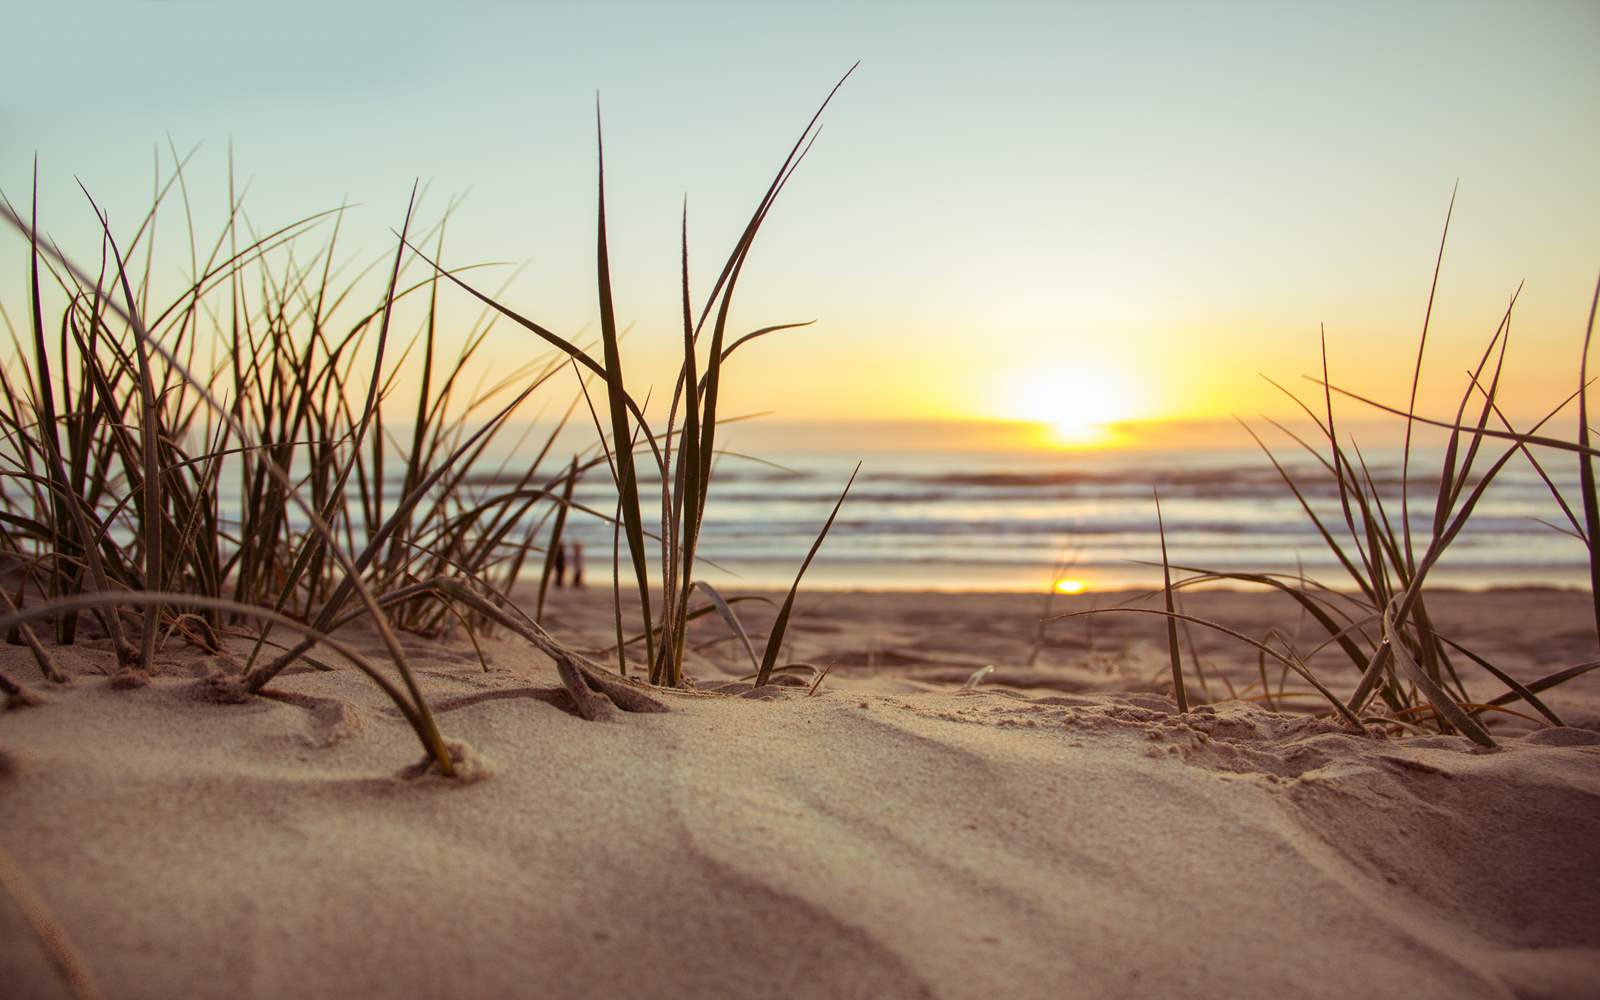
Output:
x=1177 y=194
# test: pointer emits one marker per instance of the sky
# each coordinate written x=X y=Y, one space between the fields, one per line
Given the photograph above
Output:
x=1078 y=214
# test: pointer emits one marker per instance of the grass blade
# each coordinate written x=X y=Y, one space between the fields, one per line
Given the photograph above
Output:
x=775 y=638
x=617 y=397
x=553 y=550
x=731 y=619
x=1437 y=697
x=53 y=938
x=1586 y=478
x=1172 y=619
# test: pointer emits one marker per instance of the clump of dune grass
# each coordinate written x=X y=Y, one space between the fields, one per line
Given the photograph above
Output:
x=120 y=427
x=1406 y=671
x=123 y=415
x=682 y=452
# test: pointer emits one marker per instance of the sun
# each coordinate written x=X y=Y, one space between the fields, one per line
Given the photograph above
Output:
x=1077 y=404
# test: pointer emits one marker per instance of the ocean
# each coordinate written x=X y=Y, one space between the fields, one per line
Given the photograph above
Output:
x=1026 y=521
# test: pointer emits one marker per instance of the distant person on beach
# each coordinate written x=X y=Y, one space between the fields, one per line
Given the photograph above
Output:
x=577 y=564
x=561 y=565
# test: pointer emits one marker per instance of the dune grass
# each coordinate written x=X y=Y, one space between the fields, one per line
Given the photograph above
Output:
x=1405 y=669
x=683 y=450
x=233 y=463
x=344 y=503
x=115 y=495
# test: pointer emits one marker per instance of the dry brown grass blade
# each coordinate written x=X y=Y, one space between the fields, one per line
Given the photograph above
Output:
x=734 y=625
x=553 y=550
x=41 y=656
x=775 y=638
x=1172 y=619
x=1536 y=440
x=591 y=689
x=148 y=598
x=1442 y=703
x=1518 y=689
x=1338 y=706
x=1586 y=477
x=1548 y=681
x=627 y=480
x=57 y=945
x=1340 y=634
x=1416 y=378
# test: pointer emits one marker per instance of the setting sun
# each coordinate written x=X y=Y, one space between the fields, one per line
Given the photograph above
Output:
x=1071 y=586
x=1077 y=404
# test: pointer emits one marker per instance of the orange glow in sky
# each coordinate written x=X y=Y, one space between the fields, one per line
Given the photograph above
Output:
x=1068 y=226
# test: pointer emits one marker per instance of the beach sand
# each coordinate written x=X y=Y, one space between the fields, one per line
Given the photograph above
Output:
x=1056 y=831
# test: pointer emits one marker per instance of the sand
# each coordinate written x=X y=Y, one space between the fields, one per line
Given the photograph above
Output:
x=1057 y=831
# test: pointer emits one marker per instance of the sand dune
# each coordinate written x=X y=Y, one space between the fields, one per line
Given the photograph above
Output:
x=892 y=835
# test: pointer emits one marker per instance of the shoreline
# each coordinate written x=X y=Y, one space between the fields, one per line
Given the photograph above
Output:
x=955 y=590
x=903 y=636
